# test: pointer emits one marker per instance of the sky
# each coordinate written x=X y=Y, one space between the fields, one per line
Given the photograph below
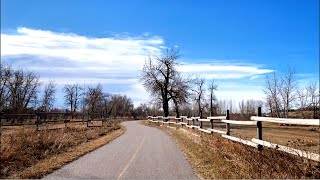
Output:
x=107 y=41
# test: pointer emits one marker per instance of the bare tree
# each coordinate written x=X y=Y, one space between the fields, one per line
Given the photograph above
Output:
x=242 y=107
x=179 y=93
x=5 y=76
x=289 y=85
x=78 y=93
x=231 y=106
x=273 y=87
x=48 y=96
x=72 y=97
x=302 y=100
x=142 y=110
x=69 y=96
x=23 y=89
x=158 y=75
x=250 y=106
x=222 y=106
x=313 y=97
x=212 y=87
x=270 y=103
x=198 y=93
x=93 y=99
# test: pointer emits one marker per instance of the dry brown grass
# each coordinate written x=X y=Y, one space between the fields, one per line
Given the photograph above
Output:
x=27 y=153
x=214 y=157
x=308 y=136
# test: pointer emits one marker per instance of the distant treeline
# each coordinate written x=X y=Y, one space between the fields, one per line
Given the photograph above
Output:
x=20 y=93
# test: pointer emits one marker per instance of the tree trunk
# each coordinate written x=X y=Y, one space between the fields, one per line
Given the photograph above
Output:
x=176 y=108
x=200 y=110
x=211 y=110
x=165 y=102
x=165 y=107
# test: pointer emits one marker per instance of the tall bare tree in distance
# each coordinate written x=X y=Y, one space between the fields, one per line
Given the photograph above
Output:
x=94 y=99
x=212 y=87
x=313 y=94
x=288 y=87
x=158 y=76
x=72 y=97
x=48 y=96
x=199 y=92
x=78 y=93
x=272 y=91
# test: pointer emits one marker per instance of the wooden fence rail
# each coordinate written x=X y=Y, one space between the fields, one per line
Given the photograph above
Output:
x=40 y=118
x=255 y=121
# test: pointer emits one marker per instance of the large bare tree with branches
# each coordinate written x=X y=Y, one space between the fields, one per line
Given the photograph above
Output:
x=159 y=75
x=23 y=89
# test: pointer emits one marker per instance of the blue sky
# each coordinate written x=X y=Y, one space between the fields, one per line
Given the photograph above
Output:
x=107 y=41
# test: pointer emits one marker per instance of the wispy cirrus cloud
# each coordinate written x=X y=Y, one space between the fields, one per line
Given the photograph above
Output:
x=223 y=71
x=115 y=61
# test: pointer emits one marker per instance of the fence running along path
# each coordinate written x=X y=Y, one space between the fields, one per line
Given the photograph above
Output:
x=41 y=118
x=258 y=142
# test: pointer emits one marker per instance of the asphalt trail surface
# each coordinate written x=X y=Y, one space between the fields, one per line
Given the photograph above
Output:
x=142 y=152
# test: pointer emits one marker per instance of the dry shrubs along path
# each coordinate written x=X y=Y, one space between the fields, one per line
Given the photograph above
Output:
x=27 y=153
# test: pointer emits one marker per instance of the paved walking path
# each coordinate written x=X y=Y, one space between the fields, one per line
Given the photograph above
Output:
x=142 y=152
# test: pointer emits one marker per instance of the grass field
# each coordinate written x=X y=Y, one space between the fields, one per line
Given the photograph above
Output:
x=23 y=148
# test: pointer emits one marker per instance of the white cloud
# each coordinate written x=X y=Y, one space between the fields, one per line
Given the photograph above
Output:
x=223 y=71
x=112 y=61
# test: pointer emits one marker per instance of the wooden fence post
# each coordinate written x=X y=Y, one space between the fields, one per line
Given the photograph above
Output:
x=259 y=128
x=211 y=121
x=65 y=118
x=200 y=124
x=88 y=117
x=0 y=127
x=228 y=125
x=38 y=119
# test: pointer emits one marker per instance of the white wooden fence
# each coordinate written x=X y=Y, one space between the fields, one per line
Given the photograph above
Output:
x=255 y=121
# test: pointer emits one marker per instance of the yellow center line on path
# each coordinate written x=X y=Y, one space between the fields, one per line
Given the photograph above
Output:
x=134 y=155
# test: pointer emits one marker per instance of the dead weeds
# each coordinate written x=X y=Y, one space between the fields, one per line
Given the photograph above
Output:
x=28 y=153
x=219 y=158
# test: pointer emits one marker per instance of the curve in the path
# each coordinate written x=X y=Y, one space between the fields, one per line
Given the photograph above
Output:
x=142 y=152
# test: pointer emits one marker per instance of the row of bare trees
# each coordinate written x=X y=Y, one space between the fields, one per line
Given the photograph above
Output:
x=94 y=100
x=283 y=93
x=196 y=97
x=20 y=92
x=188 y=96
